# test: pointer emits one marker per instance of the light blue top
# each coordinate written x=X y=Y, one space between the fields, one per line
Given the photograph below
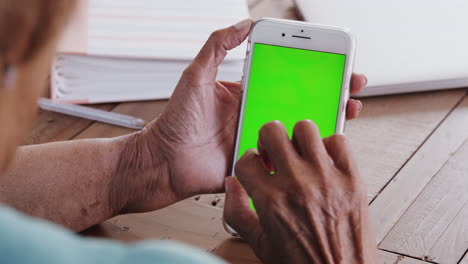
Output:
x=27 y=240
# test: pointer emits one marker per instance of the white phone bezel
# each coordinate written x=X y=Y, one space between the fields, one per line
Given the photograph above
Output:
x=322 y=38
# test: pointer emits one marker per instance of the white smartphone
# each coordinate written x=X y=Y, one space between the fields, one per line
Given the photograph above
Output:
x=293 y=71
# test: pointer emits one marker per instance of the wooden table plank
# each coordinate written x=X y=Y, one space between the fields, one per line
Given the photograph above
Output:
x=413 y=177
x=465 y=259
x=454 y=239
x=431 y=228
x=390 y=129
x=392 y=258
x=50 y=127
x=216 y=200
x=186 y=221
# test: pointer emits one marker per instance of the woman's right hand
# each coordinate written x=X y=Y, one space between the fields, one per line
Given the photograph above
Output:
x=313 y=209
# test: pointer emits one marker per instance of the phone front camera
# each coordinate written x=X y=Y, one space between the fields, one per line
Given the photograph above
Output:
x=283 y=34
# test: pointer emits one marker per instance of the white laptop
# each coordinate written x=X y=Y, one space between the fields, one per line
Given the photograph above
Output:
x=402 y=45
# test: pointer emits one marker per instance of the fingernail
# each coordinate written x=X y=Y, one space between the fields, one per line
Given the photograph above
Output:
x=360 y=105
x=365 y=79
x=244 y=24
x=252 y=150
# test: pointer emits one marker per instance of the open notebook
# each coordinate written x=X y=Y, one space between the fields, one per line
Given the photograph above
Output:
x=125 y=50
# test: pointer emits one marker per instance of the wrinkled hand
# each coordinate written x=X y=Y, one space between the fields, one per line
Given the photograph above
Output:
x=194 y=136
x=312 y=210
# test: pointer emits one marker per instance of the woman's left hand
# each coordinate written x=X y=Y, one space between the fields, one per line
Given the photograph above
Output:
x=189 y=148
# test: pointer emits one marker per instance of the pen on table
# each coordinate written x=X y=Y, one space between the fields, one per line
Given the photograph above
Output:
x=92 y=114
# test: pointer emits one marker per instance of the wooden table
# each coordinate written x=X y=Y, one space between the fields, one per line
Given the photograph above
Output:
x=412 y=150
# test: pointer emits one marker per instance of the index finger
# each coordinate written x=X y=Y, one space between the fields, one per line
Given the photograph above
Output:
x=252 y=173
x=275 y=144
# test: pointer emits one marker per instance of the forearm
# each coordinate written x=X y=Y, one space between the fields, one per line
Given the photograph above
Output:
x=75 y=183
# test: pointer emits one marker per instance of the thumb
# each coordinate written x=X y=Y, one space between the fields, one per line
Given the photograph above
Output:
x=220 y=41
x=238 y=214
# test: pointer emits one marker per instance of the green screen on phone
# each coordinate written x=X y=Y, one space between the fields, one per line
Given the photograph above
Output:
x=289 y=85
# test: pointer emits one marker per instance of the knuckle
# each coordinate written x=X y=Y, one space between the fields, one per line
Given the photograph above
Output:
x=299 y=191
x=217 y=44
x=216 y=36
x=190 y=73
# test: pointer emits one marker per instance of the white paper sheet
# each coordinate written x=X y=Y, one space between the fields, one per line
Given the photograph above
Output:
x=174 y=29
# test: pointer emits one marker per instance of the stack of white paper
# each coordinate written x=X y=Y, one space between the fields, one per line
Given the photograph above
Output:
x=125 y=50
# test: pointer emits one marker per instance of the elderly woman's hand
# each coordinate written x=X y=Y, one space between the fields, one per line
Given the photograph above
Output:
x=188 y=149
x=313 y=209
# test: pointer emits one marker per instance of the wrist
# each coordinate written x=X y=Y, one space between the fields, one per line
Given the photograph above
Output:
x=140 y=181
x=359 y=237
